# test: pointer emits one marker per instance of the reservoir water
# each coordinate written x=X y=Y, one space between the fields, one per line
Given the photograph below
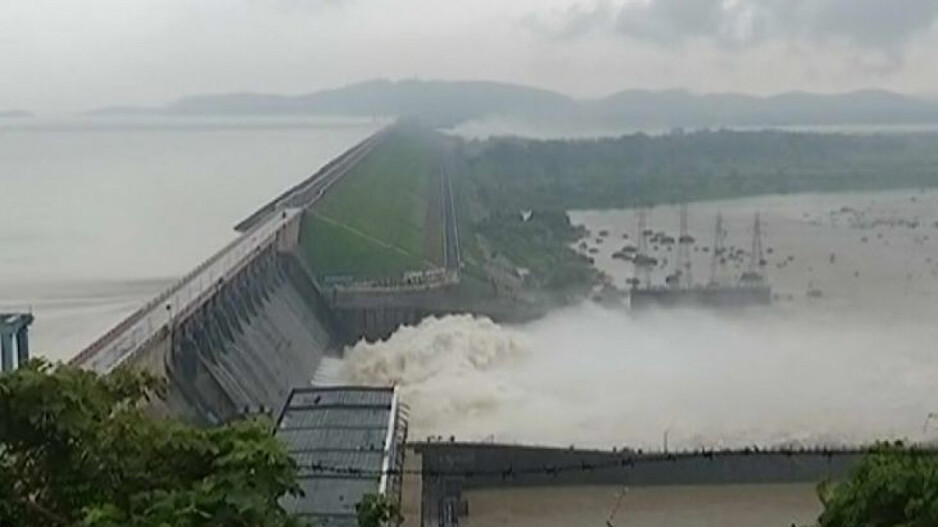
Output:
x=99 y=214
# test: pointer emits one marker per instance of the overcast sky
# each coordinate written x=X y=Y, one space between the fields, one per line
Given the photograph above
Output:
x=68 y=55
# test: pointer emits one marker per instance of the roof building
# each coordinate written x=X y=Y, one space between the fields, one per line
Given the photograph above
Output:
x=348 y=441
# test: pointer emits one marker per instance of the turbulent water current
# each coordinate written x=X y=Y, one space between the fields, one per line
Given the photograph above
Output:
x=592 y=376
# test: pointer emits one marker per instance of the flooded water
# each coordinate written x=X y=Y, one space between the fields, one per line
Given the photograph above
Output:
x=716 y=506
x=97 y=215
x=851 y=363
x=870 y=252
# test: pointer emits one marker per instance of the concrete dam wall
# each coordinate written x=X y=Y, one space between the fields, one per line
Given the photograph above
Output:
x=449 y=469
x=474 y=465
x=250 y=344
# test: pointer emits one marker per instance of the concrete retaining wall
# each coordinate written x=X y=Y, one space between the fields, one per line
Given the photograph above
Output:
x=375 y=315
x=450 y=468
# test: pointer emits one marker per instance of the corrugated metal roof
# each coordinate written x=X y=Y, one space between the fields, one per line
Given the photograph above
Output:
x=320 y=463
x=333 y=439
x=336 y=436
x=341 y=397
x=330 y=496
x=336 y=417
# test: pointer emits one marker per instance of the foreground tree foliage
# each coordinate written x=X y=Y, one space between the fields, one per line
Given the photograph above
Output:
x=78 y=449
x=376 y=510
x=893 y=486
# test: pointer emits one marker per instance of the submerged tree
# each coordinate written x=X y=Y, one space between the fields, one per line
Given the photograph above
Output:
x=893 y=486
x=79 y=449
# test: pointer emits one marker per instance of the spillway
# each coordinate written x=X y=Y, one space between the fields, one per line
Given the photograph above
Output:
x=250 y=346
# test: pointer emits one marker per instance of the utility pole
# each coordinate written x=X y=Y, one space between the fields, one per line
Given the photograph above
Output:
x=171 y=327
x=684 y=241
x=719 y=248
x=642 y=258
x=755 y=256
x=615 y=509
x=753 y=275
x=928 y=419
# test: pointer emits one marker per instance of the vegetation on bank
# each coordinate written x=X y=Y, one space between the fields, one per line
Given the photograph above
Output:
x=374 y=222
x=80 y=450
x=384 y=218
x=893 y=486
x=638 y=170
x=539 y=243
x=508 y=175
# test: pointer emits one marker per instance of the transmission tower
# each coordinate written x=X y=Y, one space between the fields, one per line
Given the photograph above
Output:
x=754 y=273
x=642 y=258
x=755 y=255
x=684 y=241
x=719 y=249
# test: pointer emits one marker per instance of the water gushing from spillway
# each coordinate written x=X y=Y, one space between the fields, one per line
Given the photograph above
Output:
x=599 y=377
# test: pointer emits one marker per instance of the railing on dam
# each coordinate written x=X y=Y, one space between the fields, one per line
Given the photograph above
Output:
x=409 y=281
x=259 y=231
x=115 y=346
x=311 y=188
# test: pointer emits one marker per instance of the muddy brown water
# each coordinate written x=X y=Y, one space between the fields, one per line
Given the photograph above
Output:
x=864 y=251
x=717 y=506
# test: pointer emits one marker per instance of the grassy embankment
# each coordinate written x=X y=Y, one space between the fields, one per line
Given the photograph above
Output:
x=374 y=223
x=384 y=218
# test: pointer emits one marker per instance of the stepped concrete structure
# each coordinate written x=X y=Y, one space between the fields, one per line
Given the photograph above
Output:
x=253 y=322
x=245 y=327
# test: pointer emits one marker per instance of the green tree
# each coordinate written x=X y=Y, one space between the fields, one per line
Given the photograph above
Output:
x=893 y=486
x=377 y=510
x=81 y=450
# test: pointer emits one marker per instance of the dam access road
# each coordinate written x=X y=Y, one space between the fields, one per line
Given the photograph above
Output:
x=258 y=231
x=253 y=321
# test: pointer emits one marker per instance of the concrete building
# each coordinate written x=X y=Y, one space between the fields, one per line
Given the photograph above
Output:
x=348 y=441
x=14 y=332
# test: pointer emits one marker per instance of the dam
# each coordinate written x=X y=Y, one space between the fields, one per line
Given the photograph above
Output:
x=243 y=328
x=254 y=320
x=252 y=324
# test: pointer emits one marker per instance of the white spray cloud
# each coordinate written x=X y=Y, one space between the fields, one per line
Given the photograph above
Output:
x=598 y=377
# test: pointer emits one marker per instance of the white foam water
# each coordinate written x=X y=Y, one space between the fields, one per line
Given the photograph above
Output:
x=601 y=377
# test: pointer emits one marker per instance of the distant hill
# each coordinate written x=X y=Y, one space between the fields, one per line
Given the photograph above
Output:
x=440 y=100
x=457 y=101
x=14 y=114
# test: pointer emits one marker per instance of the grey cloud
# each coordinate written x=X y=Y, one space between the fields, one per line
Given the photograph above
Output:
x=672 y=21
x=875 y=22
x=880 y=25
x=572 y=22
x=294 y=6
